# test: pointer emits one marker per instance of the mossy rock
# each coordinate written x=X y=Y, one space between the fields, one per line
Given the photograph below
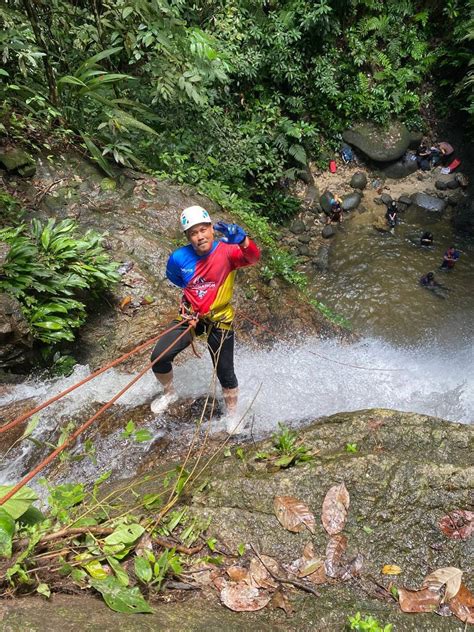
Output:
x=383 y=144
x=14 y=159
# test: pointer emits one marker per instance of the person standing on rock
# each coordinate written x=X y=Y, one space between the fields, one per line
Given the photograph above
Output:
x=205 y=270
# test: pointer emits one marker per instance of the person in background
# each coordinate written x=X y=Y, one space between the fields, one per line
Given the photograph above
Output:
x=429 y=282
x=392 y=214
x=423 y=157
x=449 y=258
x=426 y=239
x=336 y=213
x=205 y=270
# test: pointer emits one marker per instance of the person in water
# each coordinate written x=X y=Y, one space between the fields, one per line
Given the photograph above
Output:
x=336 y=212
x=392 y=214
x=449 y=258
x=426 y=239
x=429 y=282
x=205 y=270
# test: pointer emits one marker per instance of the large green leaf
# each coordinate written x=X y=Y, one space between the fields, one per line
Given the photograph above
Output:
x=120 y=598
x=126 y=534
x=7 y=530
x=19 y=503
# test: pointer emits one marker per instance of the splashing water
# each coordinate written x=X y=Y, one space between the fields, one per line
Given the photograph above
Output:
x=288 y=383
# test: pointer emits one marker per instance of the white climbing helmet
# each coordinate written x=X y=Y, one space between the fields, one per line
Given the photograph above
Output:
x=194 y=215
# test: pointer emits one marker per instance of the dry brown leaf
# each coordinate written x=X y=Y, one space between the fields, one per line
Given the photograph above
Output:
x=458 y=524
x=310 y=566
x=319 y=577
x=335 y=506
x=124 y=302
x=391 y=569
x=293 y=514
x=241 y=597
x=237 y=573
x=280 y=600
x=449 y=576
x=219 y=582
x=334 y=552
x=259 y=575
x=308 y=551
x=462 y=605
x=418 y=600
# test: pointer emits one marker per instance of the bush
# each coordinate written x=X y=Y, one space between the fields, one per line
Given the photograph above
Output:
x=48 y=269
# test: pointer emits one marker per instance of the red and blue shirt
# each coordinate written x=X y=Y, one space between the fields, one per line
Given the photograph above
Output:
x=208 y=280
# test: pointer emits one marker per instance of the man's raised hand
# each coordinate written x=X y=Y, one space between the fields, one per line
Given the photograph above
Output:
x=232 y=233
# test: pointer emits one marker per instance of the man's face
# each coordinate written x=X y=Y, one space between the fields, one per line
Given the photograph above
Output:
x=201 y=237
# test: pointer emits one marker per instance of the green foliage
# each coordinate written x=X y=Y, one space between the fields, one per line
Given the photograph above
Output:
x=48 y=268
x=287 y=449
x=367 y=624
x=11 y=211
x=138 y=435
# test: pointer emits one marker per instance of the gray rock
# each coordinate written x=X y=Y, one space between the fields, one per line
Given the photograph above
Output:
x=359 y=180
x=321 y=260
x=303 y=250
x=405 y=199
x=315 y=208
x=328 y=231
x=351 y=201
x=446 y=181
x=325 y=201
x=297 y=227
x=306 y=176
x=386 y=198
x=304 y=239
x=453 y=184
x=381 y=144
x=311 y=197
x=362 y=209
x=15 y=159
x=378 y=201
x=428 y=202
x=400 y=169
x=15 y=338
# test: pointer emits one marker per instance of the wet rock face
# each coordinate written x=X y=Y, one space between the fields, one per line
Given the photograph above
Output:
x=15 y=339
x=378 y=143
x=428 y=202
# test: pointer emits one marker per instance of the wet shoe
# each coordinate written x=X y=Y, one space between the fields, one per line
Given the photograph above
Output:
x=161 y=403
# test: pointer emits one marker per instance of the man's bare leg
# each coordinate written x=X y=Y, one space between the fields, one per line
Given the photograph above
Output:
x=231 y=396
x=161 y=403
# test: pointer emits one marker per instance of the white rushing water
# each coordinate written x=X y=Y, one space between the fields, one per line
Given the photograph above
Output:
x=290 y=383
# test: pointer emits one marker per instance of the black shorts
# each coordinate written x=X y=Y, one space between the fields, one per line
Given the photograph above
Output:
x=220 y=343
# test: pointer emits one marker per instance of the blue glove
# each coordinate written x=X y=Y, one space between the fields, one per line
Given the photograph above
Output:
x=233 y=234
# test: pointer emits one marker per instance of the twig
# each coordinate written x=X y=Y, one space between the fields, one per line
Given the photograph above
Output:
x=39 y=196
x=69 y=532
x=283 y=580
x=179 y=547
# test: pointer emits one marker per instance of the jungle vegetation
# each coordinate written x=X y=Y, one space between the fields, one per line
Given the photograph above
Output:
x=233 y=97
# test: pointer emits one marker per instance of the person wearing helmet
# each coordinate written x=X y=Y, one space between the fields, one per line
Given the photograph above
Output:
x=205 y=270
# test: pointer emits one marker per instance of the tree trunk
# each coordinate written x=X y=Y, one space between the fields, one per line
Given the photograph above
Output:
x=33 y=17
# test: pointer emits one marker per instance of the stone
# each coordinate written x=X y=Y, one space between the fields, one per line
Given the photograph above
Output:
x=453 y=184
x=400 y=168
x=405 y=199
x=15 y=159
x=351 y=201
x=328 y=231
x=321 y=260
x=325 y=201
x=16 y=341
x=304 y=239
x=378 y=201
x=386 y=198
x=297 y=227
x=446 y=181
x=428 y=202
x=303 y=250
x=381 y=144
x=359 y=180
x=311 y=198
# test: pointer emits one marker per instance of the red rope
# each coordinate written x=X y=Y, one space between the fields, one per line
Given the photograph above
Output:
x=31 y=412
x=86 y=424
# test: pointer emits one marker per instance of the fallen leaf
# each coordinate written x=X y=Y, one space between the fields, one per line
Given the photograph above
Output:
x=243 y=598
x=391 y=569
x=462 y=605
x=280 y=600
x=124 y=302
x=237 y=573
x=335 y=506
x=334 y=552
x=259 y=575
x=418 y=600
x=310 y=566
x=449 y=576
x=353 y=568
x=219 y=582
x=308 y=551
x=293 y=514
x=319 y=577
x=458 y=524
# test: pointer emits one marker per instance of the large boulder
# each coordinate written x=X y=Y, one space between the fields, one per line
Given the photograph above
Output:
x=325 y=201
x=14 y=159
x=428 y=202
x=359 y=180
x=401 y=168
x=351 y=201
x=15 y=339
x=381 y=144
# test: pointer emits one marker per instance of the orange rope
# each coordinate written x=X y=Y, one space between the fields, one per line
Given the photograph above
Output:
x=31 y=412
x=86 y=424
